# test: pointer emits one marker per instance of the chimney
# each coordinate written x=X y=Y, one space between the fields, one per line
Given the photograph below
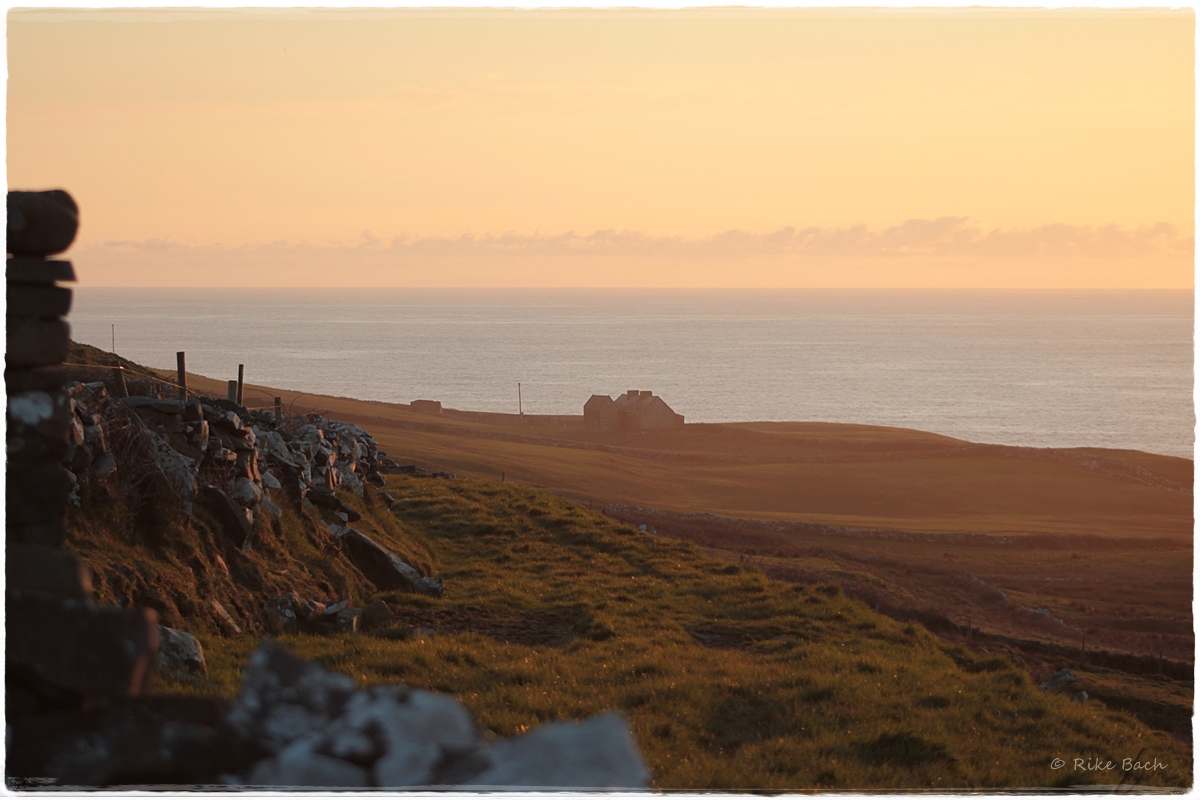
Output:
x=647 y=394
x=632 y=393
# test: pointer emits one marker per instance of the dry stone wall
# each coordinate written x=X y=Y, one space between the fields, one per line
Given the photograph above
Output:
x=77 y=702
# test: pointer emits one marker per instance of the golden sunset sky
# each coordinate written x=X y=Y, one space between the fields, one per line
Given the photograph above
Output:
x=841 y=147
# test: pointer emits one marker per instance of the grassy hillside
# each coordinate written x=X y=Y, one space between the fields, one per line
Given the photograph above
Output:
x=729 y=679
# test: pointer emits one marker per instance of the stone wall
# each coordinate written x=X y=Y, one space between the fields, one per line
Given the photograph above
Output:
x=78 y=707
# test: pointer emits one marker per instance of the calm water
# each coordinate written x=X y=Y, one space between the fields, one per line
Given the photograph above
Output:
x=1041 y=368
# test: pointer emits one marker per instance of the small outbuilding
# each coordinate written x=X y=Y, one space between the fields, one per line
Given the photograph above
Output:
x=633 y=411
x=433 y=407
x=600 y=413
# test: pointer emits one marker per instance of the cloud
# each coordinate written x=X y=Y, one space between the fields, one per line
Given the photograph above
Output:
x=944 y=237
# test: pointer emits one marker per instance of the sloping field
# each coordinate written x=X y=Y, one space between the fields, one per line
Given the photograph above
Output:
x=846 y=475
x=729 y=680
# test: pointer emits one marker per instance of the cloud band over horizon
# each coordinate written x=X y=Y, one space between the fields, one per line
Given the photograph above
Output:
x=568 y=259
x=945 y=236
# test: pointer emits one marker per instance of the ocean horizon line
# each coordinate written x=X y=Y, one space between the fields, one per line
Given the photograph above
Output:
x=865 y=289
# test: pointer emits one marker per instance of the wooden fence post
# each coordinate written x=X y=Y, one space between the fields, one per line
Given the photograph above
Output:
x=241 y=374
x=231 y=392
x=119 y=379
x=181 y=372
x=278 y=410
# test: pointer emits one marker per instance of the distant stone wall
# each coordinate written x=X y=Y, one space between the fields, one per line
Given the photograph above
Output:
x=516 y=420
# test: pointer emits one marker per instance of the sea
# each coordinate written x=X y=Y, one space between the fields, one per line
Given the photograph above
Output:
x=1035 y=368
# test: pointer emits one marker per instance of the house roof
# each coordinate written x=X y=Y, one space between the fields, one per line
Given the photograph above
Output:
x=597 y=400
x=627 y=403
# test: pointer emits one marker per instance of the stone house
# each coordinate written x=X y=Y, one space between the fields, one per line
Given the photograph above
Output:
x=633 y=411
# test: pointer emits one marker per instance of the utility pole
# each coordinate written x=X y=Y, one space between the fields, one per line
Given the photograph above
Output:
x=520 y=408
x=114 y=338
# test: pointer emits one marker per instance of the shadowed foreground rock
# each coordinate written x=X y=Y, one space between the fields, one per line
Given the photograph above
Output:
x=323 y=731
x=295 y=725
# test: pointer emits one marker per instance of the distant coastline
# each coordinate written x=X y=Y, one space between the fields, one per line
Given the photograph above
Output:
x=1034 y=368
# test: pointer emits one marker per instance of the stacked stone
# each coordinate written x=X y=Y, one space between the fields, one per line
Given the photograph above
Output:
x=63 y=651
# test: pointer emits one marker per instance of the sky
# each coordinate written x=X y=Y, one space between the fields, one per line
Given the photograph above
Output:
x=701 y=148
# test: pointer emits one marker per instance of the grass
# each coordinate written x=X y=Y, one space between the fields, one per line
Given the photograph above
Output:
x=729 y=680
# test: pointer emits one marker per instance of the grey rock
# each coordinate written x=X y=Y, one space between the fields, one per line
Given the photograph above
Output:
x=303 y=770
x=407 y=763
x=351 y=481
x=375 y=614
x=269 y=506
x=177 y=469
x=334 y=608
x=309 y=609
x=1080 y=698
x=270 y=481
x=419 y=732
x=347 y=620
x=283 y=698
x=226 y=618
x=230 y=516
x=1058 y=681
x=382 y=568
x=281 y=614
x=245 y=492
x=321 y=731
x=596 y=753
x=179 y=651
